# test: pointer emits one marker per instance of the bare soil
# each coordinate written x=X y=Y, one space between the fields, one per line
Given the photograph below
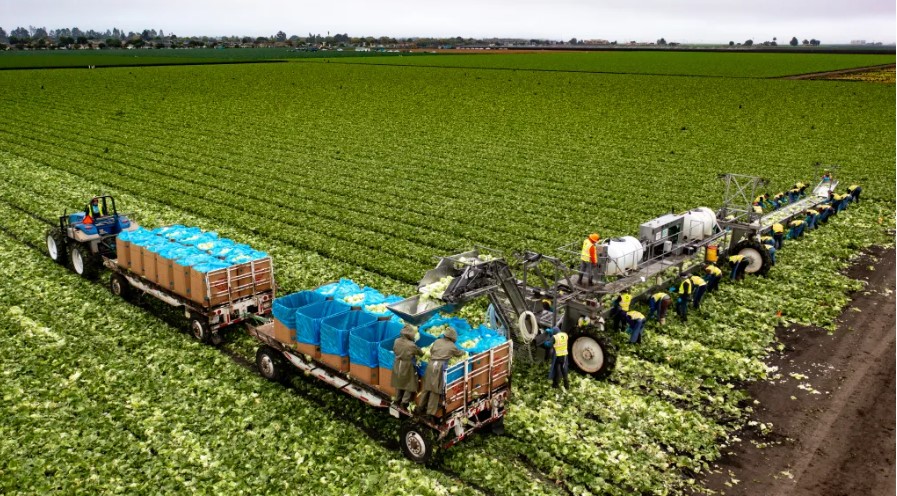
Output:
x=833 y=435
x=838 y=74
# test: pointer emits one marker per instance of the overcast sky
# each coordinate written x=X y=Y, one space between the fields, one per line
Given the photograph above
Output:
x=831 y=21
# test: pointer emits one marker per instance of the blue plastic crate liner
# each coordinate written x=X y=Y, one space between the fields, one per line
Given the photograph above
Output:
x=309 y=317
x=367 y=296
x=285 y=307
x=335 y=331
x=389 y=300
x=338 y=290
x=459 y=325
x=364 y=342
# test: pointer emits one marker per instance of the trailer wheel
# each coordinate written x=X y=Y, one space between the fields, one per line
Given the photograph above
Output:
x=592 y=355
x=200 y=330
x=56 y=245
x=269 y=364
x=417 y=442
x=83 y=261
x=119 y=286
x=757 y=256
x=498 y=427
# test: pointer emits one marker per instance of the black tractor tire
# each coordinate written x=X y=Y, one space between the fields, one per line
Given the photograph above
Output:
x=119 y=286
x=269 y=363
x=56 y=246
x=759 y=261
x=591 y=354
x=418 y=442
x=200 y=329
x=83 y=262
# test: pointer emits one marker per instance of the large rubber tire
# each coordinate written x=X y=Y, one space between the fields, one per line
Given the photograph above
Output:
x=56 y=246
x=417 y=441
x=119 y=286
x=592 y=355
x=83 y=262
x=757 y=255
x=200 y=330
x=269 y=363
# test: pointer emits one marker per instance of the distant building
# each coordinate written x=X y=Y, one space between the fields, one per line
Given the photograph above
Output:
x=857 y=42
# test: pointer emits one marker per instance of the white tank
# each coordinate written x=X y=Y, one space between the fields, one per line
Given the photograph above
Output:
x=623 y=254
x=698 y=224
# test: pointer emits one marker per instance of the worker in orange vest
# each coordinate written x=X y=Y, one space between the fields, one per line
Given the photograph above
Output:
x=589 y=257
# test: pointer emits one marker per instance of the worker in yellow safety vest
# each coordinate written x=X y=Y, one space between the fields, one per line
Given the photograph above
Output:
x=94 y=210
x=714 y=275
x=825 y=211
x=739 y=263
x=812 y=215
x=684 y=291
x=619 y=307
x=854 y=192
x=636 y=323
x=778 y=200
x=778 y=235
x=558 y=345
x=589 y=257
x=658 y=304
x=699 y=288
x=797 y=229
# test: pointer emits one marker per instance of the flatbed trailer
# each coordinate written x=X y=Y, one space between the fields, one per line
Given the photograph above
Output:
x=242 y=303
x=420 y=436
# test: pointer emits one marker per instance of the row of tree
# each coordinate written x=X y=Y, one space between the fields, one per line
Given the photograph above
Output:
x=774 y=42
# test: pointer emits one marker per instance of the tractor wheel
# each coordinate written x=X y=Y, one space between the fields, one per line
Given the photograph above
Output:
x=56 y=245
x=270 y=365
x=757 y=256
x=200 y=330
x=119 y=286
x=592 y=355
x=418 y=442
x=83 y=262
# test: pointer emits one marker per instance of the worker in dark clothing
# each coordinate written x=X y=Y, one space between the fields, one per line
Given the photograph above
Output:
x=714 y=275
x=441 y=352
x=771 y=248
x=839 y=202
x=558 y=346
x=699 y=288
x=618 y=309
x=636 y=323
x=684 y=292
x=778 y=235
x=404 y=374
x=797 y=229
x=589 y=258
x=658 y=304
x=810 y=220
x=854 y=192
x=739 y=263
x=779 y=200
x=825 y=211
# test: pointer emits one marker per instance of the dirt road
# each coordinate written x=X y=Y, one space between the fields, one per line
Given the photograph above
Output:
x=833 y=407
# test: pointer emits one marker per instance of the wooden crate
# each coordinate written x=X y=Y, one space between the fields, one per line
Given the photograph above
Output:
x=180 y=279
x=164 y=271
x=367 y=375
x=149 y=265
x=385 y=381
x=122 y=253
x=336 y=362
x=311 y=350
x=283 y=333
x=135 y=257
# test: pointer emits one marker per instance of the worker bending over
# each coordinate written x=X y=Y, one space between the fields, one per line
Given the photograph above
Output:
x=796 y=228
x=812 y=215
x=589 y=258
x=779 y=200
x=618 y=309
x=714 y=274
x=404 y=374
x=825 y=211
x=441 y=352
x=770 y=245
x=778 y=235
x=699 y=287
x=854 y=192
x=658 y=304
x=557 y=343
x=684 y=292
x=636 y=323
x=739 y=264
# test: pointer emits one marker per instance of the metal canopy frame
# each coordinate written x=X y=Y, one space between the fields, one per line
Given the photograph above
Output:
x=739 y=196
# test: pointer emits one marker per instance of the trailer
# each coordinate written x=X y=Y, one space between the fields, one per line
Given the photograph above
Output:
x=476 y=393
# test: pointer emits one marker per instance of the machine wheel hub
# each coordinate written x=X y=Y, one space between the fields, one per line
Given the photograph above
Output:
x=415 y=444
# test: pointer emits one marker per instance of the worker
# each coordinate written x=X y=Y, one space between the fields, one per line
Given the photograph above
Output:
x=793 y=195
x=770 y=247
x=739 y=263
x=825 y=211
x=757 y=208
x=658 y=304
x=404 y=374
x=827 y=177
x=699 y=288
x=636 y=323
x=838 y=202
x=714 y=274
x=854 y=192
x=94 y=210
x=779 y=200
x=810 y=220
x=684 y=291
x=440 y=352
x=589 y=257
x=800 y=188
x=778 y=235
x=619 y=307
x=797 y=229
x=557 y=343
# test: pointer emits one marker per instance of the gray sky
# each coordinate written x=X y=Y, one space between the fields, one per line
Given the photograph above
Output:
x=832 y=21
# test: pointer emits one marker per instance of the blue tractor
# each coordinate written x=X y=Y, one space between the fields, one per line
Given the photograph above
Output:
x=83 y=239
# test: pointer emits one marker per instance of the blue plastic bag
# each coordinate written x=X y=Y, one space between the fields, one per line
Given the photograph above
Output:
x=309 y=317
x=340 y=289
x=210 y=266
x=389 y=300
x=335 y=331
x=285 y=307
x=459 y=325
x=364 y=342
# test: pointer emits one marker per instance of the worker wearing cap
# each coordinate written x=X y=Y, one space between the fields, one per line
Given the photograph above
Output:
x=658 y=303
x=619 y=307
x=714 y=274
x=838 y=202
x=778 y=235
x=558 y=345
x=825 y=211
x=778 y=200
x=404 y=375
x=770 y=245
x=440 y=353
x=589 y=257
x=854 y=191
x=636 y=323
x=739 y=263
x=812 y=215
x=684 y=291
x=800 y=188
x=94 y=210
x=796 y=228
x=699 y=288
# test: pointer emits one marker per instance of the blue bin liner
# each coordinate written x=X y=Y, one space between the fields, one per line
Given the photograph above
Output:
x=210 y=266
x=221 y=248
x=459 y=325
x=369 y=296
x=389 y=300
x=309 y=317
x=164 y=231
x=199 y=240
x=197 y=258
x=182 y=233
x=386 y=357
x=365 y=341
x=285 y=307
x=335 y=331
x=153 y=242
x=175 y=251
x=160 y=246
x=488 y=338
x=339 y=289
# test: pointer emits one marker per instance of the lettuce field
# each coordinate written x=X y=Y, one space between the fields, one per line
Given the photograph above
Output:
x=368 y=171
